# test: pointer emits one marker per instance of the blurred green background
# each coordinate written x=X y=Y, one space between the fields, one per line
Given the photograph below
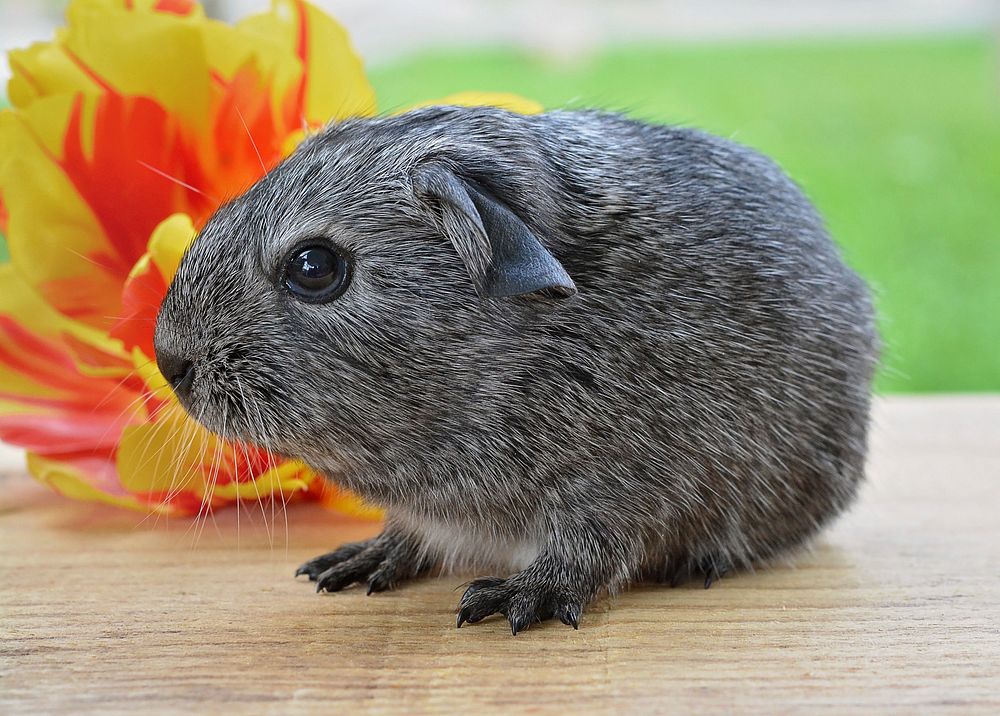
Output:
x=897 y=141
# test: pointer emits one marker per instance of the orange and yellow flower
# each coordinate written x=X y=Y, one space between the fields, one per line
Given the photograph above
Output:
x=125 y=134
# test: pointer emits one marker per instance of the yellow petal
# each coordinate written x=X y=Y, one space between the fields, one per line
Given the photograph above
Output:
x=71 y=482
x=284 y=480
x=503 y=100
x=43 y=70
x=47 y=119
x=51 y=232
x=149 y=54
x=337 y=86
x=168 y=243
x=171 y=455
x=20 y=302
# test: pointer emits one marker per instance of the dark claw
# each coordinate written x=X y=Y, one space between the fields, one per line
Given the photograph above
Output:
x=679 y=575
x=468 y=615
x=569 y=614
x=713 y=574
x=336 y=578
x=473 y=609
x=380 y=563
x=520 y=622
x=378 y=583
x=315 y=567
x=521 y=603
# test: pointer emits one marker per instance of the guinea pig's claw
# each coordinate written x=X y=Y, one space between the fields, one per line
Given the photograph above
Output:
x=356 y=570
x=680 y=569
x=379 y=582
x=465 y=614
x=569 y=614
x=315 y=567
x=519 y=622
x=523 y=603
x=381 y=563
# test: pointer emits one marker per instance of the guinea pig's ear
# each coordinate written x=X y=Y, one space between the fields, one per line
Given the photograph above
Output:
x=502 y=255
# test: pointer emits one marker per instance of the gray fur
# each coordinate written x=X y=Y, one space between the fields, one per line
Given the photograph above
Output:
x=700 y=404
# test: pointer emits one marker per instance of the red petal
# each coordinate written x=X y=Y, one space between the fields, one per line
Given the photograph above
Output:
x=61 y=433
x=141 y=299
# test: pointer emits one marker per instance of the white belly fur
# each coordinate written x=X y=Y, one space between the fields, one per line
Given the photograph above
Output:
x=460 y=549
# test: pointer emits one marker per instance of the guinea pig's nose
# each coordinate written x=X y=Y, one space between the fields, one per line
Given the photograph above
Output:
x=178 y=371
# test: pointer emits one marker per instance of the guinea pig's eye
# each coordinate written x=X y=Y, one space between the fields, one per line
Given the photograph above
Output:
x=317 y=274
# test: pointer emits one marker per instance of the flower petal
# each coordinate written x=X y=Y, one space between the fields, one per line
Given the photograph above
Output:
x=160 y=56
x=76 y=479
x=169 y=242
x=503 y=100
x=44 y=70
x=174 y=454
x=285 y=479
x=334 y=84
x=63 y=386
x=53 y=237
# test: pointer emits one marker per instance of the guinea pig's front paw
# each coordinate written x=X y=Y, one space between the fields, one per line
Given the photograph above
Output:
x=522 y=599
x=382 y=562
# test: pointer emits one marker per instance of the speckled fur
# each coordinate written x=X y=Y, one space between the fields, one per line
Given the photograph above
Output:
x=700 y=404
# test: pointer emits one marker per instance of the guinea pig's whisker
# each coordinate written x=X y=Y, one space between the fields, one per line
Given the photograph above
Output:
x=145 y=458
x=250 y=137
x=159 y=428
x=117 y=386
x=246 y=455
x=255 y=416
x=191 y=430
x=177 y=181
x=200 y=519
x=118 y=418
x=189 y=434
x=271 y=465
x=217 y=461
x=89 y=259
x=145 y=448
x=251 y=414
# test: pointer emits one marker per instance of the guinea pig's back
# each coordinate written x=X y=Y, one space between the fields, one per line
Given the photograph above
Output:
x=719 y=284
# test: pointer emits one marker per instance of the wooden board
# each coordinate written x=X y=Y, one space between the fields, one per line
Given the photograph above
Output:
x=895 y=610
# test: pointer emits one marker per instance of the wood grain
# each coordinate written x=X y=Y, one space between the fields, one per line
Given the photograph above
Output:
x=895 y=610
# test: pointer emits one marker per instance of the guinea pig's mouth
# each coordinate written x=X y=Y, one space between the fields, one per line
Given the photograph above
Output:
x=231 y=417
x=211 y=392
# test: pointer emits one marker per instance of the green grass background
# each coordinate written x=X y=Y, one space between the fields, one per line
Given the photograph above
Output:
x=897 y=141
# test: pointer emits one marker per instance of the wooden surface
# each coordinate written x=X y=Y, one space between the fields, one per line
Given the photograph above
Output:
x=895 y=610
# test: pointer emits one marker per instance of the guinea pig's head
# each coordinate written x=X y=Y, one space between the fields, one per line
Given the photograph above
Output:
x=344 y=297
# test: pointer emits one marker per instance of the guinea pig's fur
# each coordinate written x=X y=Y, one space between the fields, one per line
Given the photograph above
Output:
x=694 y=398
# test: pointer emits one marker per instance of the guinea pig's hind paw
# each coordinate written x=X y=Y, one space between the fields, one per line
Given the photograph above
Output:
x=522 y=604
x=681 y=570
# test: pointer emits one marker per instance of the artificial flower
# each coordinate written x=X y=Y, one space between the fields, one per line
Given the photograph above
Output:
x=125 y=134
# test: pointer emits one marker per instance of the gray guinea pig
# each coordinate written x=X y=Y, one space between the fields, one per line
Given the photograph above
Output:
x=571 y=348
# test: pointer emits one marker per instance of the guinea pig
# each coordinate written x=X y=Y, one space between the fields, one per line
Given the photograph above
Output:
x=571 y=349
